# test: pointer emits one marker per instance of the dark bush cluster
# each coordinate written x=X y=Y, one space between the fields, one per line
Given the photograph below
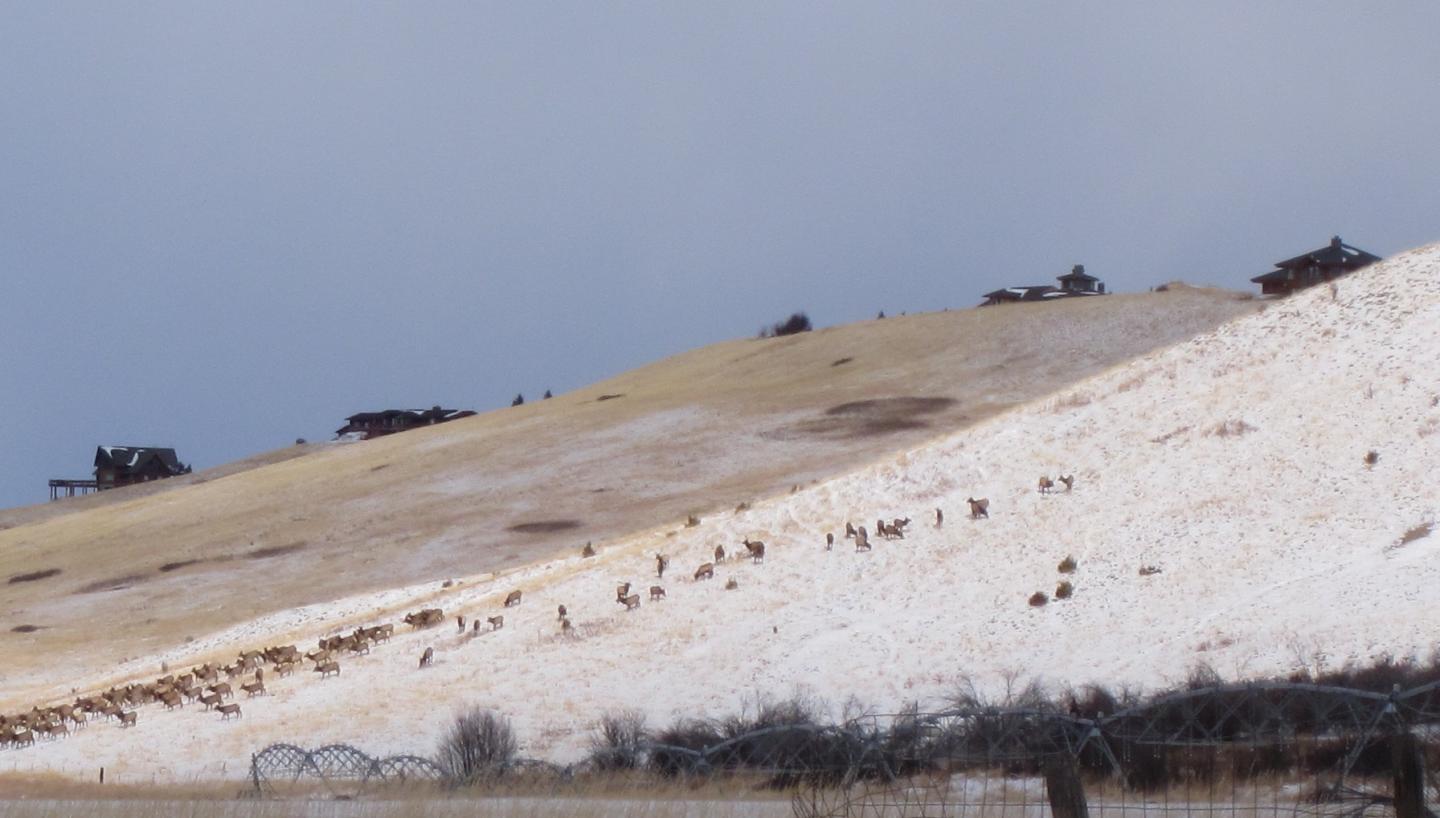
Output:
x=797 y=323
x=480 y=744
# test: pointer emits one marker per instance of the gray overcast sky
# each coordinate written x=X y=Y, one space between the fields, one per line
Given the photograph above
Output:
x=225 y=226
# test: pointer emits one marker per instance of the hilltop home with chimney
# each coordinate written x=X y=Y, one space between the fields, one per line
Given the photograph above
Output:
x=366 y=425
x=1311 y=268
x=117 y=466
x=1074 y=284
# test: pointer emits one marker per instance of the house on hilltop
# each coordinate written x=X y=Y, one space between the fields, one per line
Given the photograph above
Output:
x=366 y=425
x=1311 y=268
x=1075 y=283
x=117 y=466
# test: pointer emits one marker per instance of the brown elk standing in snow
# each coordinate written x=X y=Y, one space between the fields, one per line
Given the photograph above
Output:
x=979 y=508
x=427 y=658
x=656 y=593
x=496 y=622
x=939 y=518
x=829 y=540
x=705 y=571
x=1068 y=480
x=719 y=554
x=862 y=540
x=512 y=599
x=328 y=669
x=756 y=549
x=563 y=612
x=228 y=710
x=460 y=623
x=1046 y=484
x=661 y=563
x=621 y=591
x=849 y=531
x=631 y=602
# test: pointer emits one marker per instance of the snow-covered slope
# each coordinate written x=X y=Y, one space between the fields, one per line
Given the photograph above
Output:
x=1236 y=463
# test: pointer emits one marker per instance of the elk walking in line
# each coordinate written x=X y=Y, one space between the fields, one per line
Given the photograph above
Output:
x=229 y=710
x=253 y=689
x=979 y=508
x=328 y=669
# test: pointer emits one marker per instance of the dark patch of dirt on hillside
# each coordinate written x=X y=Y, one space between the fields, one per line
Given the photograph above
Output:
x=274 y=551
x=27 y=628
x=34 y=576
x=865 y=418
x=603 y=398
x=544 y=526
x=176 y=566
x=112 y=584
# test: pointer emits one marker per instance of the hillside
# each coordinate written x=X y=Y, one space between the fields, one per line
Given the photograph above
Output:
x=1237 y=463
x=699 y=432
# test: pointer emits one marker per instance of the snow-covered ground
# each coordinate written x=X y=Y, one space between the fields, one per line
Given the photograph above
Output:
x=1235 y=463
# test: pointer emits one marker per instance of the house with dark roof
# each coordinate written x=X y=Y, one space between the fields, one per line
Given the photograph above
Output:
x=1307 y=269
x=1076 y=283
x=366 y=425
x=117 y=466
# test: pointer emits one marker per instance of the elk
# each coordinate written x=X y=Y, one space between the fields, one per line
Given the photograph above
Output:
x=731 y=584
x=631 y=602
x=328 y=669
x=979 y=508
x=898 y=526
x=621 y=591
x=427 y=658
x=656 y=593
x=171 y=700
x=756 y=549
x=512 y=599
x=253 y=689
x=228 y=710
x=1068 y=480
x=475 y=627
x=849 y=531
x=460 y=623
x=423 y=619
x=661 y=563
x=939 y=518
x=285 y=668
x=1046 y=484
x=862 y=540
x=25 y=738
x=222 y=689
x=719 y=554
x=127 y=719
x=563 y=612
x=706 y=571
x=496 y=622
x=829 y=540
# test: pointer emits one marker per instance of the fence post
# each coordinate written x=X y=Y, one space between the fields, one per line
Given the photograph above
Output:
x=1066 y=793
x=1409 y=767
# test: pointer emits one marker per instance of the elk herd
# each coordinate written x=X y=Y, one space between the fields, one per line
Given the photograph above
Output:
x=202 y=685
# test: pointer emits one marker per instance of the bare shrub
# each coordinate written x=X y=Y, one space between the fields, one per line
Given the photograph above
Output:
x=1038 y=599
x=1371 y=458
x=479 y=744
x=1067 y=565
x=1229 y=428
x=1064 y=590
x=1070 y=401
x=1419 y=532
x=618 y=741
x=797 y=323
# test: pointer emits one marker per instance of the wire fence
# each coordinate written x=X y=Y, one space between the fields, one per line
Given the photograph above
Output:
x=1254 y=751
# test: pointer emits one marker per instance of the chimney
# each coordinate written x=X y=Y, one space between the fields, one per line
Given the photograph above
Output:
x=1334 y=241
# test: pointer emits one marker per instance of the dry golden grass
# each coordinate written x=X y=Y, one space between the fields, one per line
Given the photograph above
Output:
x=144 y=569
